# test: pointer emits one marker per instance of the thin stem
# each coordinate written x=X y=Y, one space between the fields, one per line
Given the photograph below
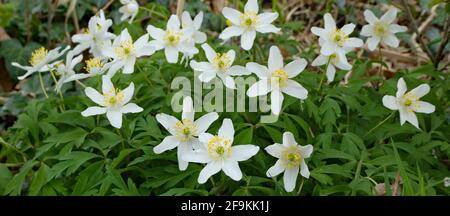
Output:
x=80 y=83
x=380 y=54
x=379 y=124
x=42 y=85
x=323 y=75
x=301 y=186
x=61 y=106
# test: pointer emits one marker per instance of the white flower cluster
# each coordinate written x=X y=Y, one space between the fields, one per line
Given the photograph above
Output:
x=111 y=54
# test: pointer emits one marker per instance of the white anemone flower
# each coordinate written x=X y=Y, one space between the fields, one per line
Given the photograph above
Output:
x=173 y=40
x=408 y=103
x=291 y=159
x=65 y=71
x=219 y=64
x=219 y=154
x=129 y=10
x=124 y=52
x=248 y=23
x=183 y=132
x=41 y=60
x=382 y=30
x=193 y=26
x=96 y=38
x=335 y=40
x=276 y=79
x=333 y=62
x=113 y=102
x=94 y=67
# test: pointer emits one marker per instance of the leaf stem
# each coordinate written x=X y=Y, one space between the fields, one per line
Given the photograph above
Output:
x=379 y=124
x=42 y=85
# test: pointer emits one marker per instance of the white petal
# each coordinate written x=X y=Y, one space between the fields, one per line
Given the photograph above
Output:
x=294 y=89
x=247 y=39
x=370 y=17
x=409 y=117
x=390 y=102
x=425 y=107
x=289 y=178
x=209 y=170
x=243 y=152
x=205 y=137
x=389 y=16
x=353 y=42
x=367 y=30
x=304 y=171
x=202 y=66
x=373 y=42
x=288 y=139
x=198 y=156
x=401 y=87
x=420 y=90
x=231 y=169
x=198 y=20
x=93 y=111
x=170 y=142
x=205 y=121
x=331 y=73
x=348 y=28
x=267 y=18
x=261 y=71
x=232 y=15
x=207 y=76
x=275 y=150
x=327 y=49
x=276 y=169
x=171 y=54
x=95 y=96
x=182 y=150
x=320 y=60
x=275 y=59
x=199 y=37
x=276 y=99
x=231 y=54
x=391 y=41
x=115 y=118
x=251 y=6
x=261 y=87
x=107 y=86
x=237 y=70
x=231 y=32
x=131 y=108
x=167 y=121
x=174 y=22
x=228 y=81
x=227 y=129
x=329 y=22
x=295 y=67
x=128 y=93
x=394 y=28
x=209 y=52
x=267 y=28
x=188 y=109
x=306 y=150
x=318 y=31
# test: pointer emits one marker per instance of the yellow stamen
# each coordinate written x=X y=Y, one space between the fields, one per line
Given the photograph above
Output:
x=185 y=129
x=126 y=49
x=339 y=37
x=93 y=63
x=172 y=37
x=219 y=147
x=279 y=78
x=222 y=62
x=38 y=56
x=249 y=19
x=380 y=28
x=292 y=156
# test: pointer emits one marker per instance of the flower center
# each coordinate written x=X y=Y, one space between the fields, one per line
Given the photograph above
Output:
x=219 y=147
x=92 y=64
x=125 y=49
x=185 y=129
x=334 y=58
x=249 y=20
x=409 y=102
x=228 y=22
x=112 y=99
x=172 y=37
x=279 y=78
x=338 y=37
x=380 y=28
x=222 y=62
x=38 y=56
x=292 y=157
